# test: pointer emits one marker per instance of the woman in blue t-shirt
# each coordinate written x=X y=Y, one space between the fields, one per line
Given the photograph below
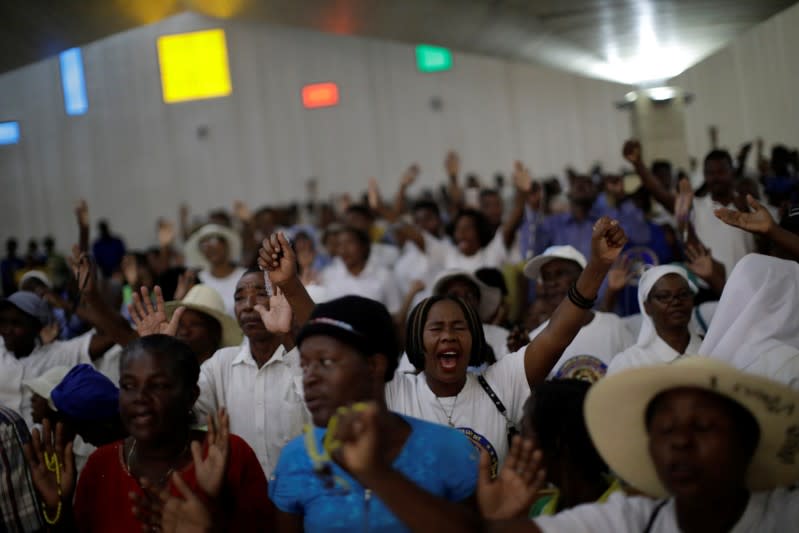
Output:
x=368 y=469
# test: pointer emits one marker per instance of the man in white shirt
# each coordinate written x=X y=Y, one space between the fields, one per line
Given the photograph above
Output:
x=728 y=244
x=23 y=356
x=260 y=382
x=601 y=337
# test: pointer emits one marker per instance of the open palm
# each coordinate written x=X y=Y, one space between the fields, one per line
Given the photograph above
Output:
x=759 y=220
x=151 y=319
x=45 y=455
x=279 y=316
x=514 y=490
x=211 y=469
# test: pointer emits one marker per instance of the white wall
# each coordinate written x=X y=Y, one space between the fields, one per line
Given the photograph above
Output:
x=747 y=89
x=135 y=158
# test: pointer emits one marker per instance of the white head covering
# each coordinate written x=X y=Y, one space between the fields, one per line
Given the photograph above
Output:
x=757 y=318
x=648 y=279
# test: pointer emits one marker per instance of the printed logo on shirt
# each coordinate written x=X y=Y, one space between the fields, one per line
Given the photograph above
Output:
x=481 y=443
x=584 y=367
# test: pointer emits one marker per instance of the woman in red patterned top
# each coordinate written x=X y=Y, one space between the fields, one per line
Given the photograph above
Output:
x=120 y=488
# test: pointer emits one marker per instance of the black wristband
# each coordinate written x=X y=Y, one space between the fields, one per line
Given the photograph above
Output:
x=578 y=299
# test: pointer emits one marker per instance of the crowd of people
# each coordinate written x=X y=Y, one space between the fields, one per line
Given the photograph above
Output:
x=614 y=351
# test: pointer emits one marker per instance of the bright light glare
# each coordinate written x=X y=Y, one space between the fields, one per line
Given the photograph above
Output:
x=651 y=65
x=661 y=93
x=631 y=96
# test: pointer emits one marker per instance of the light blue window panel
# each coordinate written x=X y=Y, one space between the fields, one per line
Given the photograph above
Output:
x=73 y=82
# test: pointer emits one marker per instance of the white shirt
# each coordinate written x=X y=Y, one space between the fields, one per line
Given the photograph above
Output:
x=374 y=282
x=265 y=404
x=445 y=255
x=653 y=353
x=472 y=410
x=766 y=512
x=226 y=287
x=43 y=357
x=497 y=338
x=727 y=243
x=384 y=255
x=591 y=351
x=413 y=264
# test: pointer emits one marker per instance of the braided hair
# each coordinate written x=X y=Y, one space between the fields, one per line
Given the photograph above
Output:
x=414 y=335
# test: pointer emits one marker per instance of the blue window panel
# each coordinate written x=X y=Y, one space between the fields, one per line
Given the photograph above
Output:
x=9 y=132
x=73 y=82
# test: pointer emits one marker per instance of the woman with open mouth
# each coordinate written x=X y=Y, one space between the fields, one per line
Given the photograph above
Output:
x=445 y=338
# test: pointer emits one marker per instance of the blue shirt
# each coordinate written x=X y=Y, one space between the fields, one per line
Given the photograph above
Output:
x=438 y=459
x=563 y=228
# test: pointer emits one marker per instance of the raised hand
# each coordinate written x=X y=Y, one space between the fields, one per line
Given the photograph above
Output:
x=358 y=439
x=166 y=233
x=52 y=466
x=620 y=275
x=277 y=319
x=409 y=176
x=607 y=241
x=84 y=270
x=49 y=333
x=242 y=211
x=700 y=261
x=184 y=515
x=130 y=270
x=452 y=164
x=682 y=205
x=82 y=213
x=373 y=194
x=211 y=470
x=277 y=258
x=632 y=152
x=759 y=220
x=522 y=177
x=515 y=488
x=186 y=281
x=152 y=320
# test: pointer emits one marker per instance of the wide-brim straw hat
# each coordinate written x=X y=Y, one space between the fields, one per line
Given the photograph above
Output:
x=207 y=300
x=615 y=412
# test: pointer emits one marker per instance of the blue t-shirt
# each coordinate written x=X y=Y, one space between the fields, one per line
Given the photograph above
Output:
x=438 y=459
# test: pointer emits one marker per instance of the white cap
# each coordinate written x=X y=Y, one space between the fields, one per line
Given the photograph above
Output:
x=533 y=267
x=43 y=385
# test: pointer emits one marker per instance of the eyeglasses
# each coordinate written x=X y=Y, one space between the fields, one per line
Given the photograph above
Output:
x=666 y=298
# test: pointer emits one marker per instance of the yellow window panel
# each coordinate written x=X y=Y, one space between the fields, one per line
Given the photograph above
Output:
x=194 y=66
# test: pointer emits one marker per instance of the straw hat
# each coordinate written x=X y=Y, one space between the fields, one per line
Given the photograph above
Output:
x=490 y=297
x=193 y=253
x=615 y=410
x=207 y=300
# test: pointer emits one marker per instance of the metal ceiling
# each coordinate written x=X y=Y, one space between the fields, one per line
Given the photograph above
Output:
x=629 y=41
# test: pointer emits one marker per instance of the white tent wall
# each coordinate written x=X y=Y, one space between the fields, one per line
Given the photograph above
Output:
x=135 y=158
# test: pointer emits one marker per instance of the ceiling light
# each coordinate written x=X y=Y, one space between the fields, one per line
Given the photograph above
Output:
x=661 y=94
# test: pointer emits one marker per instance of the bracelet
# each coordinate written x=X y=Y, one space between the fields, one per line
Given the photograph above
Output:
x=51 y=462
x=578 y=299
